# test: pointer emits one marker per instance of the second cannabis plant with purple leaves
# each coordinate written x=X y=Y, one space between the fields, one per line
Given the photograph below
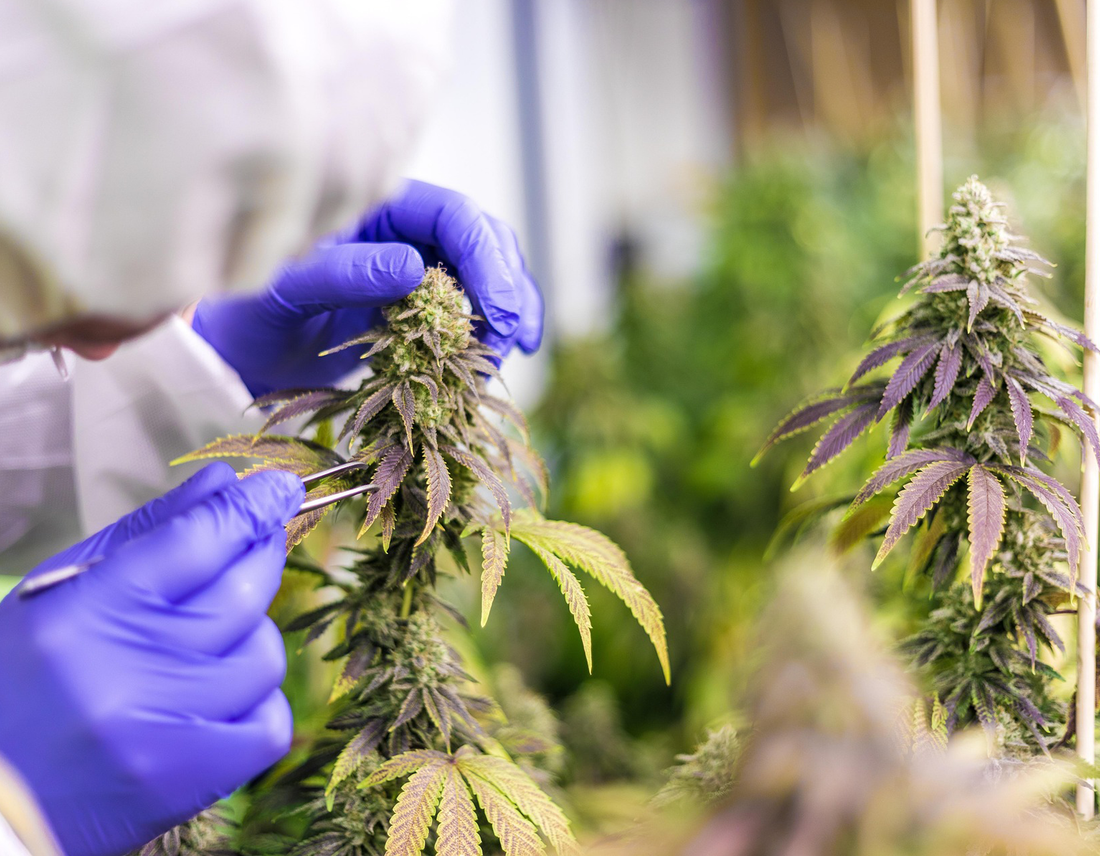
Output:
x=973 y=411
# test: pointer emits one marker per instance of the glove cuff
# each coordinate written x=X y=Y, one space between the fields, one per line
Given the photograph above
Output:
x=21 y=819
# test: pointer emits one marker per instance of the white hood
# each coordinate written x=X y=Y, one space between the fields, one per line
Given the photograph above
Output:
x=152 y=151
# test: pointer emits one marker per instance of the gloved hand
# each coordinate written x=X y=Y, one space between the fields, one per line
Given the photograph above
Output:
x=272 y=339
x=139 y=693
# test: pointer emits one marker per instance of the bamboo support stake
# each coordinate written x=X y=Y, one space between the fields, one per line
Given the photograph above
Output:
x=1071 y=20
x=1090 y=482
x=926 y=117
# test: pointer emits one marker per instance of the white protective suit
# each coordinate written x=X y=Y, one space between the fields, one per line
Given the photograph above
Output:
x=151 y=152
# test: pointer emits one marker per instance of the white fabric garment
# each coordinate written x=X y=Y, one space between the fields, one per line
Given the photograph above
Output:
x=151 y=152
x=9 y=844
x=23 y=829
x=76 y=455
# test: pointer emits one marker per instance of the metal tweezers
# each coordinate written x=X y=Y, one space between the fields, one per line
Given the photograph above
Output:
x=48 y=579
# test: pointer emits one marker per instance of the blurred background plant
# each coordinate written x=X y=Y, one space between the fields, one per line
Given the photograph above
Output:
x=837 y=763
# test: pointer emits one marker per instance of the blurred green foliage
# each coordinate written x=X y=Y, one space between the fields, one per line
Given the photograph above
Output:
x=649 y=427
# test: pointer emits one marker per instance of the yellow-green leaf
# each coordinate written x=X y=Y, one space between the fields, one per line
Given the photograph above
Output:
x=494 y=559
x=525 y=795
x=574 y=596
x=860 y=523
x=925 y=544
x=389 y=523
x=412 y=816
x=458 y=833
x=517 y=835
x=599 y=556
x=298 y=456
x=402 y=765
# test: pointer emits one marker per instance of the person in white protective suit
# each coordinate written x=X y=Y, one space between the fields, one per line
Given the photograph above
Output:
x=197 y=197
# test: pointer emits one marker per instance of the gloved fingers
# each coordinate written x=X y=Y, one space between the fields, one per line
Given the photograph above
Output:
x=194 y=548
x=216 y=618
x=225 y=755
x=212 y=759
x=451 y=222
x=218 y=688
x=202 y=484
x=528 y=335
x=345 y=276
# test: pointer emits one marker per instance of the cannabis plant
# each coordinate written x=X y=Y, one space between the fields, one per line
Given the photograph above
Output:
x=968 y=435
x=442 y=453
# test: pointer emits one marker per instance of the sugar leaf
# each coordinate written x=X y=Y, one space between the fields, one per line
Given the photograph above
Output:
x=986 y=519
x=494 y=559
x=458 y=833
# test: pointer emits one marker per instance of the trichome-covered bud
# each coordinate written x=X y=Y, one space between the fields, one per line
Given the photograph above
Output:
x=976 y=234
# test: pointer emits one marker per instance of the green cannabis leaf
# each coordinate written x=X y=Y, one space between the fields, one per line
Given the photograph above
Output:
x=515 y=806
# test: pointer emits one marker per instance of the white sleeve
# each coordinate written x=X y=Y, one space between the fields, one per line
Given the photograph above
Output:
x=76 y=455
x=23 y=828
x=157 y=398
x=9 y=843
x=38 y=512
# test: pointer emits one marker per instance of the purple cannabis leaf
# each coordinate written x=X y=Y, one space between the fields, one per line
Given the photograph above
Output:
x=839 y=437
x=977 y=296
x=903 y=465
x=881 y=355
x=916 y=500
x=307 y=401
x=405 y=403
x=389 y=475
x=949 y=282
x=1021 y=414
x=909 y=373
x=899 y=432
x=986 y=520
x=439 y=489
x=484 y=473
x=805 y=416
x=370 y=408
x=947 y=372
x=982 y=397
x=1082 y=420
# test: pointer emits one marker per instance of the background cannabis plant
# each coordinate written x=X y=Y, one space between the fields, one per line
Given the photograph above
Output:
x=425 y=430
x=967 y=435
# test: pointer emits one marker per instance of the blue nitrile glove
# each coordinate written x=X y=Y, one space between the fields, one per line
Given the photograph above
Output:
x=272 y=339
x=139 y=693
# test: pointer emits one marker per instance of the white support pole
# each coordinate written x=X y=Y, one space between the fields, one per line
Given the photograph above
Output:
x=1090 y=482
x=926 y=118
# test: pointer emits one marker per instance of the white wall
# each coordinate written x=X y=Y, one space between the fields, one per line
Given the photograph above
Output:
x=472 y=142
x=634 y=122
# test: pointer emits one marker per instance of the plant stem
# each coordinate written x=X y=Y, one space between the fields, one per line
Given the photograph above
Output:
x=407 y=599
x=1090 y=483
